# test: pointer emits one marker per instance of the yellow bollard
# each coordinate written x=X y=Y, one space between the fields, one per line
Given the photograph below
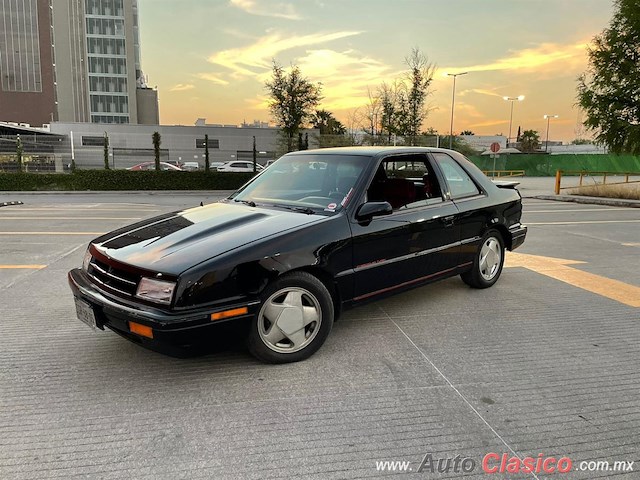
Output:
x=558 y=180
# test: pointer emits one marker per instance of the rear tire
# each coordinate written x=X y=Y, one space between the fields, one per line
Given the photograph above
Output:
x=488 y=262
x=294 y=320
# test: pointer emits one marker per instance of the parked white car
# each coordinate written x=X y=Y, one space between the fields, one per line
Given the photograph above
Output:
x=239 y=166
x=190 y=166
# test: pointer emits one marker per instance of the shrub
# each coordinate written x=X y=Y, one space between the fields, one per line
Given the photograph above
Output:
x=98 y=180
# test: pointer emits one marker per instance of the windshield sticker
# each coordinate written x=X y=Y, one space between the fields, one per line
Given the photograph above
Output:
x=331 y=207
x=345 y=200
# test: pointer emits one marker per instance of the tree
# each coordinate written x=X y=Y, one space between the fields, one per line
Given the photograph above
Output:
x=530 y=141
x=467 y=132
x=293 y=100
x=418 y=81
x=609 y=91
x=327 y=123
x=401 y=107
x=19 y=151
x=207 y=165
x=255 y=155
x=156 y=148
x=105 y=151
x=389 y=105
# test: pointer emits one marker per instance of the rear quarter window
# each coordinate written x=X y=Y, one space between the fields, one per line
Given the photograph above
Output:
x=460 y=183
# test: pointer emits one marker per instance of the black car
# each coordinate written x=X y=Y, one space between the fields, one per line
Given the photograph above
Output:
x=317 y=232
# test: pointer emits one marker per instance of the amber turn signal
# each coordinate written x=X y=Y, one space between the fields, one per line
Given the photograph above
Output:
x=141 y=330
x=229 y=313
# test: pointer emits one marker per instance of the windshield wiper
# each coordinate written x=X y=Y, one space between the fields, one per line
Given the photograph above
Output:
x=307 y=210
x=251 y=203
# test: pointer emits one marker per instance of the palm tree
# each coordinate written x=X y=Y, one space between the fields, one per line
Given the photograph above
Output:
x=530 y=141
x=156 y=148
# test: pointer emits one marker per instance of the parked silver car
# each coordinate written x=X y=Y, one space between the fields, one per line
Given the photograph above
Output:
x=239 y=166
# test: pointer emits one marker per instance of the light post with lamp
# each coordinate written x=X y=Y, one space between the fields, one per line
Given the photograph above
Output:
x=453 y=102
x=512 y=99
x=548 y=119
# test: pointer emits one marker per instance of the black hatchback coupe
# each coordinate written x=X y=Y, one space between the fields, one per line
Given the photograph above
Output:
x=316 y=232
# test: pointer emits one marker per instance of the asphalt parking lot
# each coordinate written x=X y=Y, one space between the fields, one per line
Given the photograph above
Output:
x=544 y=363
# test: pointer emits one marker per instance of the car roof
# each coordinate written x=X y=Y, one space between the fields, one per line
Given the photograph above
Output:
x=368 y=151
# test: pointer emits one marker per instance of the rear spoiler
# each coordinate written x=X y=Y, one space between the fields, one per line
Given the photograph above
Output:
x=512 y=184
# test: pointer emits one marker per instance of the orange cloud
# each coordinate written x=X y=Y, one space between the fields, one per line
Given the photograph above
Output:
x=255 y=58
x=279 y=10
x=181 y=87
x=546 y=56
x=213 y=78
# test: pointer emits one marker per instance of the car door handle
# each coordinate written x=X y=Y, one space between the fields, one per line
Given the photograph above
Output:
x=448 y=220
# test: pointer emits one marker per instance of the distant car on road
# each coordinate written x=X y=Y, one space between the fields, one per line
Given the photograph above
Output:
x=297 y=245
x=152 y=166
x=239 y=166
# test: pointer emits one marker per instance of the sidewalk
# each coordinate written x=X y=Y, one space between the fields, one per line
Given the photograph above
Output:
x=542 y=188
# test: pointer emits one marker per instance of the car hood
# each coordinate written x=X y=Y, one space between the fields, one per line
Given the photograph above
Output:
x=174 y=242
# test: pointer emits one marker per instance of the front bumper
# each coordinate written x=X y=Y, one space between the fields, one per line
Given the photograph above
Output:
x=173 y=332
x=518 y=233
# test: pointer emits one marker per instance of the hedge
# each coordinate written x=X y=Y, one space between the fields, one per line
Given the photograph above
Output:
x=82 y=180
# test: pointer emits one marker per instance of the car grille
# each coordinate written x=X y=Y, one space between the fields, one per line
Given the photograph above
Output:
x=115 y=279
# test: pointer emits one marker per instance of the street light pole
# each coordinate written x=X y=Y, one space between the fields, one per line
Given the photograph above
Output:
x=548 y=118
x=512 y=99
x=453 y=102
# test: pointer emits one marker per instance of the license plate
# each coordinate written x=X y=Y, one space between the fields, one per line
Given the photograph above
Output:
x=85 y=313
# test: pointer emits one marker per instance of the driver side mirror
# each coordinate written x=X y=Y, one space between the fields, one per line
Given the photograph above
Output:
x=368 y=210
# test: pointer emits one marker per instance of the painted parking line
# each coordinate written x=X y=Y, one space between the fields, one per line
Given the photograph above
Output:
x=69 y=218
x=22 y=267
x=559 y=269
x=96 y=209
x=583 y=222
x=631 y=244
x=578 y=210
x=52 y=233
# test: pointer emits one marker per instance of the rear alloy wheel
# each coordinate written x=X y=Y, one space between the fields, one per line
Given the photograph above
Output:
x=294 y=320
x=487 y=265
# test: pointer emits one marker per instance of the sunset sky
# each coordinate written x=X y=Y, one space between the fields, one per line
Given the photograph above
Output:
x=210 y=58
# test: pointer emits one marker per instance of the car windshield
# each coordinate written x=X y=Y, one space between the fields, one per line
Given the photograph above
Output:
x=306 y=182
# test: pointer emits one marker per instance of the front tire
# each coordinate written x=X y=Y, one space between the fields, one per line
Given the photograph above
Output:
x=488 y=262
x=294 y=320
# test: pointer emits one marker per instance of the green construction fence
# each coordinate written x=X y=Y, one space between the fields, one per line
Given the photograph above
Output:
x=547 y=165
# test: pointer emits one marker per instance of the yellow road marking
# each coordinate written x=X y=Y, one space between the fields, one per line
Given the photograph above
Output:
x=583 y=222
x=52 y=233
x=69 y=218
x=559 y=269
x=25 y=267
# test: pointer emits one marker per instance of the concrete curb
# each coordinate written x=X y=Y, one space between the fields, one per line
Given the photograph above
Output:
x=612 y=202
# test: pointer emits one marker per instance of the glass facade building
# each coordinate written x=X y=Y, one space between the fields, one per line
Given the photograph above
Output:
x=73 y=61
x=107 y=62
x=20 y=67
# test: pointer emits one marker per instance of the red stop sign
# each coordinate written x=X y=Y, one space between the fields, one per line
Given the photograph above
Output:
x=495 y=146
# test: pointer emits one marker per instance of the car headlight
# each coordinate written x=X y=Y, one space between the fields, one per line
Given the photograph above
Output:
x=86 y=260
x=159 y=291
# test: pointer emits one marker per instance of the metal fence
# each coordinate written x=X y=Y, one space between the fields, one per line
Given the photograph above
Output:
x=40 y=153
x=360 y=138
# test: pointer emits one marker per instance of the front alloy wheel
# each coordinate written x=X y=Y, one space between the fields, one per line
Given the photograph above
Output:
x=294 y=321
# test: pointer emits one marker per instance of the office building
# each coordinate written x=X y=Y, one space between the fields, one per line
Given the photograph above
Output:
x=73 y=61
